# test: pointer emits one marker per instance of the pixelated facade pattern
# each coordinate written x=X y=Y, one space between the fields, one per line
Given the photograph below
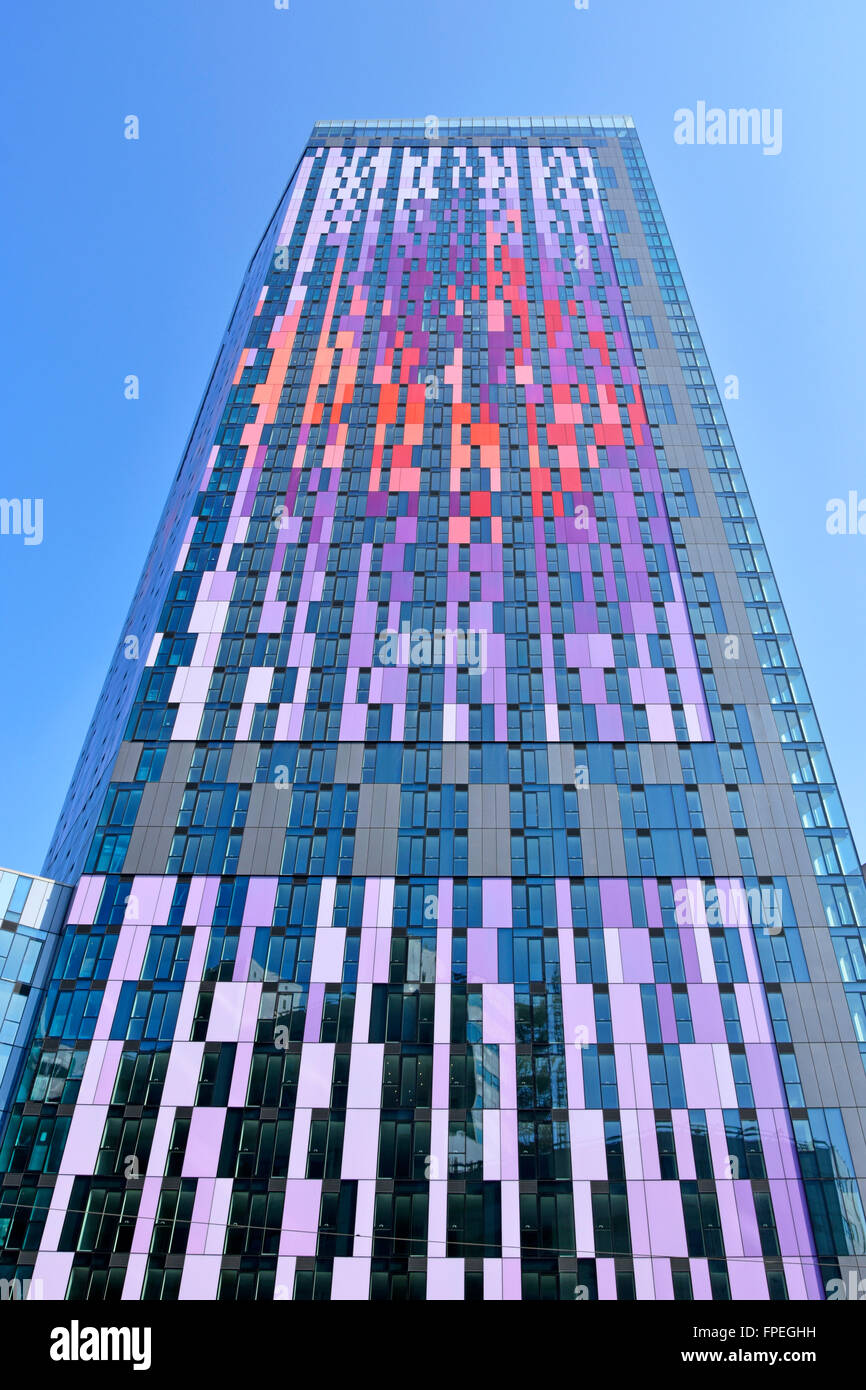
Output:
x=465 y=908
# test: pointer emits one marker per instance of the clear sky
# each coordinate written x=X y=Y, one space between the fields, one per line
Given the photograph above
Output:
x=126 y=256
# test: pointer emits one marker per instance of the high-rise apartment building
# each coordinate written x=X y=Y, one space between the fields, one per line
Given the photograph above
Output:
x=464 y=907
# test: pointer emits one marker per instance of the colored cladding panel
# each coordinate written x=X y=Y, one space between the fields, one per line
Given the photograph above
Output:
x=456 y=907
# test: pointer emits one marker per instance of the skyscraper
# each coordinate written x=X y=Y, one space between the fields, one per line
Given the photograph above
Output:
x=464 y=907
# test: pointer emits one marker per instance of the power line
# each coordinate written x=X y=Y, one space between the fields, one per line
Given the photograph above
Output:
x=565 y=1252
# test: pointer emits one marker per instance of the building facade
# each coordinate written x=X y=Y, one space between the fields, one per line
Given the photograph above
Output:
x=464 y=905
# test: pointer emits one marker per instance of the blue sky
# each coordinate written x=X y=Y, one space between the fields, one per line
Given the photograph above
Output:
x=126 y=256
